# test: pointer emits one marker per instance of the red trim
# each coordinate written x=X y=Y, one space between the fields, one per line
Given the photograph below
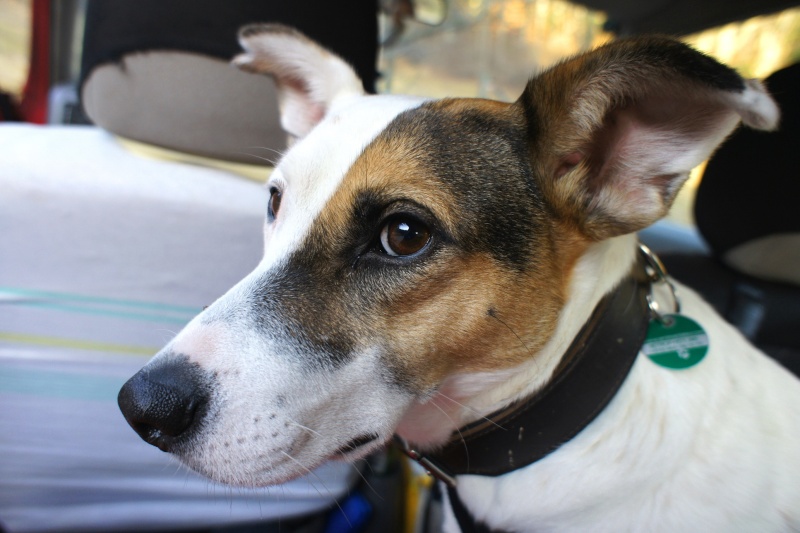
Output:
x=33 y=107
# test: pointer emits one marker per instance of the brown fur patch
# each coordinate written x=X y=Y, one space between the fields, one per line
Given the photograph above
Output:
x=473 y=303
x=470 y=315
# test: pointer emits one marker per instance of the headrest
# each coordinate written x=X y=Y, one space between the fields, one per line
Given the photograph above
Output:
x=747 y=203
x=157 y=72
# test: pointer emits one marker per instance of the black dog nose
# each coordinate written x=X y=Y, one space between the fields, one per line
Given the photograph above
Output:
x=163 y=402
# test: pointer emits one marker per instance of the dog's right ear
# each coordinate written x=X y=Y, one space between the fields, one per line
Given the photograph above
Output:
x=309 y=78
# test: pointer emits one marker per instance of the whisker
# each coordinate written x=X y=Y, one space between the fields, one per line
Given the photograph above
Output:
x=278 y=152
x=367 y=483
x=460 y=435
x=475 y=411
x=270 y=161
x=167 y=334
x=301 y=465
x=368 y=465
x=301 y=426
x=492 y=313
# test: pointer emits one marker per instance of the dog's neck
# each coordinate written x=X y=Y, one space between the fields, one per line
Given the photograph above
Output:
x=465 y=398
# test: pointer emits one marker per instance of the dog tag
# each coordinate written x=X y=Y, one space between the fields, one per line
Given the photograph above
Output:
x=675 y=342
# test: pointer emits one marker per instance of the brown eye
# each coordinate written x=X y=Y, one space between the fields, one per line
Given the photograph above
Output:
x=274 y=203
x=404 y=236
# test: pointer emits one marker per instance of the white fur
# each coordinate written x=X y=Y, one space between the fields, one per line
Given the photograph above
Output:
x=290 y=59
x=756 y=107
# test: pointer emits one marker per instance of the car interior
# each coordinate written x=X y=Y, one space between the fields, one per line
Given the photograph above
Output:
x=134 y=157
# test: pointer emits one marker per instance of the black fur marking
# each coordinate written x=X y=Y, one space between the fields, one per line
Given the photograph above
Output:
x=298 y=303
x=482 y=161
x=686 y=61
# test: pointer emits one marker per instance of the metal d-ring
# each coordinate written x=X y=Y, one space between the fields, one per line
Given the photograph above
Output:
x=658 y=274
x=431 y=467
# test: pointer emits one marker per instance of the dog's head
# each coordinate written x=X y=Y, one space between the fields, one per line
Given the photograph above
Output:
x=410 y=242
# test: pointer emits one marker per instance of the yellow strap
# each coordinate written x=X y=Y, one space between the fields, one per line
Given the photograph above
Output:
x=75 y=344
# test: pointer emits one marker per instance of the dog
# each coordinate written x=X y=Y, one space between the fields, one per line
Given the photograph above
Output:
x=430 y=266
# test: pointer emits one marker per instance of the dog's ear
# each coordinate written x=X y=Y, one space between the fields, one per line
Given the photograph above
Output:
x=308 y=77
x=614 y=133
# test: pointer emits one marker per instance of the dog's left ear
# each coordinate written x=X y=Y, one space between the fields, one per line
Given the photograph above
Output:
x=614 y=133
x=308 y=77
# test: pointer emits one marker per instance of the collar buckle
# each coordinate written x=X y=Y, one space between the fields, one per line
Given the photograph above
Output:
x=657 y=274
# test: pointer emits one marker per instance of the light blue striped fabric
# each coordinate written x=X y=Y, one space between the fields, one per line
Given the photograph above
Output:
x=95 y=305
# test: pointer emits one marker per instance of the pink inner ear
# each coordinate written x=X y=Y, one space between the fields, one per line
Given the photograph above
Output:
x=569 y=162
x=642 y=153
x=294 y=83
x=299 y=111
x=315 y=111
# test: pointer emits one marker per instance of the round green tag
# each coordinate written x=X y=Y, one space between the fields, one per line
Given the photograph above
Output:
x=675 y=342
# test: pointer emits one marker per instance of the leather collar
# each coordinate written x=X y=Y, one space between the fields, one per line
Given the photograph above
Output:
x=592 y=371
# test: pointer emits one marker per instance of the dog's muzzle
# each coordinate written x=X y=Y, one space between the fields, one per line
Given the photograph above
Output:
x=164 y=403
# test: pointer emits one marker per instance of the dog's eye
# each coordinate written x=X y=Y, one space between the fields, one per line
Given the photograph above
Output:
x=274 y=203
x=403 y=236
